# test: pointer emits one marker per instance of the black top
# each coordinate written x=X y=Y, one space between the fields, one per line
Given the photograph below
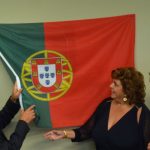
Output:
x=126 y=134
x=16 y=138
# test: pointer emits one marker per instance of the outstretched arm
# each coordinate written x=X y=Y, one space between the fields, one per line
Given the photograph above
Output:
x=59 y=134
x=79 y=134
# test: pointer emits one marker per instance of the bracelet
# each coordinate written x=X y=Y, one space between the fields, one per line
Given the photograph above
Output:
x=65 y=134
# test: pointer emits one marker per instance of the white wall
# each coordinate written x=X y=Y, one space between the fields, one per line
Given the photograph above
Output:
x=18 y=11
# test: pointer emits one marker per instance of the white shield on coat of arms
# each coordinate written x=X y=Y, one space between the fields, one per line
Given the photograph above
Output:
x=46 y=74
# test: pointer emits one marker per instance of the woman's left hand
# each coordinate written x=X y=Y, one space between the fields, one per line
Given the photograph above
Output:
x=148 y=146
x=15 y=92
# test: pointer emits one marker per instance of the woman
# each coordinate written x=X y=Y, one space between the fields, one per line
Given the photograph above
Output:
x=122 y=121
x=6 y=114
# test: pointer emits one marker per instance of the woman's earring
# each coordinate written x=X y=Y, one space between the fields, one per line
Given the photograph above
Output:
x=125 y=99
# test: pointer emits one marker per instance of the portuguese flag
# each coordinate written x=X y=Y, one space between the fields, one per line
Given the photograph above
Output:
x=64 y=67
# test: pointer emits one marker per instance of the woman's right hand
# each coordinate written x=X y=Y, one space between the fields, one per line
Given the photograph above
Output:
x=28 y=115
x=54 y=135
